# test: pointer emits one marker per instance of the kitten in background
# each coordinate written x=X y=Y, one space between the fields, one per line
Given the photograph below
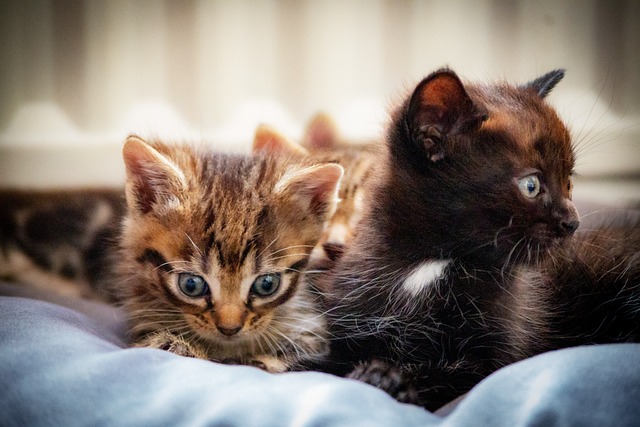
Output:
x=322 y=143
x=61 y=240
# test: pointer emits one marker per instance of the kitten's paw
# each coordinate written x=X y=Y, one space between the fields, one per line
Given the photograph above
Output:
x=388 y=378
x=169 y=342
x=269 y=363
x=431 y=138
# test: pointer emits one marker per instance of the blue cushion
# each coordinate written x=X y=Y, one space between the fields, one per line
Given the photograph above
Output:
x=63 y=366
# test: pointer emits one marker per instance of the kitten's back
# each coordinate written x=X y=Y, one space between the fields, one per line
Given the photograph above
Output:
x=60 y=240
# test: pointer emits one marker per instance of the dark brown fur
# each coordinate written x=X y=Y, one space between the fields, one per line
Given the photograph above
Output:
x=454 y=271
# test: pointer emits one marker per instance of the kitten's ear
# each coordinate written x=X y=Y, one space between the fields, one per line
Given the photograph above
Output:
x=268 y=140
x=312 y=189
x=321 y=133
x=440 y=107
x=544 y=84
x=152 y=178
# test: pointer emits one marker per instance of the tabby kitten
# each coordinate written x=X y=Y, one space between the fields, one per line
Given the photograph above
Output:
x=466 y=258
x=212 y=251
x=63 y=240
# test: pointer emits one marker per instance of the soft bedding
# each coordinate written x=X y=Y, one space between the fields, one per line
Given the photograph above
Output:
x=64 y=362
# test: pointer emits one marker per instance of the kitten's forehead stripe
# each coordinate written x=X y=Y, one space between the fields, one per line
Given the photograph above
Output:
x=238 y=210
x=154 y=258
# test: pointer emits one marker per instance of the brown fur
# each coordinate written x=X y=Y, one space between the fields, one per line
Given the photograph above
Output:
x=457 y=268
x=227 y=219
x=322 y=143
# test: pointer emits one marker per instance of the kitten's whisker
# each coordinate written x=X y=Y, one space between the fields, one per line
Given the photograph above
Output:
x=266 y=248
x=292 y=247
x=169 y=263
x=194 y=245
x=273 y=259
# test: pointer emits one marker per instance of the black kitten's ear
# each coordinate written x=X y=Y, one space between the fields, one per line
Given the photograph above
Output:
x=544 y=84
x=439 y=108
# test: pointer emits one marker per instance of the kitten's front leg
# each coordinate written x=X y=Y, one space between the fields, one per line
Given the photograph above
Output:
x=165 y=340
x=388 y=378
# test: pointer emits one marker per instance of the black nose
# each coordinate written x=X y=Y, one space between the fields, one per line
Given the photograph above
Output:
x=229 y=331
x=570 y=227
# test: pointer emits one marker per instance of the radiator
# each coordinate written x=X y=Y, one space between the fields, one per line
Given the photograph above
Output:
x=78 y=76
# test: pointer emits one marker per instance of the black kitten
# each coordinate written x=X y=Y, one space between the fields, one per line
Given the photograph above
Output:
x=466 y=258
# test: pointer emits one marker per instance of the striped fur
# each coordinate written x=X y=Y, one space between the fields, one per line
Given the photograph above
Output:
x=229 y=220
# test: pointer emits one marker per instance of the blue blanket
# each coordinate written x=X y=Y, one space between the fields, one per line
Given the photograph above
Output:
x=66 y=364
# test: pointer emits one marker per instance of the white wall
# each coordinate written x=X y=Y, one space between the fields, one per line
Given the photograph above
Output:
x=76 y=77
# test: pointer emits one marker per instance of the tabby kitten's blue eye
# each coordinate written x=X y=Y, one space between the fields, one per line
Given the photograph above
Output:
x=529 y=186
x=266 y=285
x=192 y=285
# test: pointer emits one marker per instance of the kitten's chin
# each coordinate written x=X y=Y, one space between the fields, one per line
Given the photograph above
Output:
x=539 y=250
x=219 y=339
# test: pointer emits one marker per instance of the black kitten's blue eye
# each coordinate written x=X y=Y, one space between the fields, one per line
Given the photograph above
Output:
x=266 y=285
x=529 y=186
x=192 y=285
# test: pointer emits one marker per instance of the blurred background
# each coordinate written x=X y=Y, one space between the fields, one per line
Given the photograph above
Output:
x=77 y=76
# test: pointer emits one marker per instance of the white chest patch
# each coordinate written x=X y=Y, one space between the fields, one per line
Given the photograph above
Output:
x=425 y=275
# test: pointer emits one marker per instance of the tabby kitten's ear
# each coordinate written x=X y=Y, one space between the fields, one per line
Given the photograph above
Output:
x=438 y=109
x=152 y=178
x=321 y=133
x=270 y=141
x=544 y=84
x=313 y=189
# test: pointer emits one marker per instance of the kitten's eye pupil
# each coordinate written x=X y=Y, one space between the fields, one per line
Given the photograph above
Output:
x=266 y=285
x=529 y=186
x=192 y=285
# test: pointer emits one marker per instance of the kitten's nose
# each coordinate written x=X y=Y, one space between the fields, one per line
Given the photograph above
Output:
x=570 y=227
x=229 y=331
x=230 y=318
x=569 y=219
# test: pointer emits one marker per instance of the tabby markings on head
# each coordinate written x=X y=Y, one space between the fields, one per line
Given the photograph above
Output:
x=213 y=250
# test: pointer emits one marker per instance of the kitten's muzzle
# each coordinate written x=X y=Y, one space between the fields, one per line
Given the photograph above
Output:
x=568 y=219
x=229 y=319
